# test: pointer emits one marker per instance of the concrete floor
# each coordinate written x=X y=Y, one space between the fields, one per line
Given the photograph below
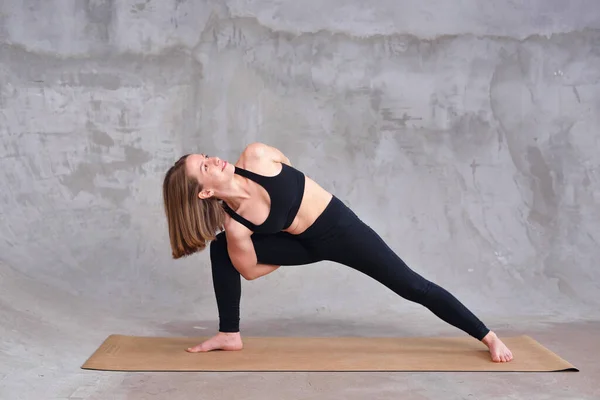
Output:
x=60 y=378
x=575 y=342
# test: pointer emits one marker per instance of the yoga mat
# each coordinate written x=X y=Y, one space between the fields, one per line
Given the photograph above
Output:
x=132 y=353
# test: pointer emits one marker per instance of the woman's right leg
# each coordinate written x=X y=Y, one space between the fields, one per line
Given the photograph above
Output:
x=277 y=249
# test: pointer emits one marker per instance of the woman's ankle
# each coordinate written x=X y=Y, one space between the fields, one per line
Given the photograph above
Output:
x=489 y=338
x=229 y=333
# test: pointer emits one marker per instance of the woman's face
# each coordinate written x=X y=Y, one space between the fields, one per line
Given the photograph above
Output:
x=211 y=172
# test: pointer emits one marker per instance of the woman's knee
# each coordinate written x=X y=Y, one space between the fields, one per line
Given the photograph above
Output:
x=417 y=290
x=404 y=282
x=218 y=248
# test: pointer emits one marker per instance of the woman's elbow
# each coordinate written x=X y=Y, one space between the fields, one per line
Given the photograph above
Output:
x=245 y=270
x=249 y=276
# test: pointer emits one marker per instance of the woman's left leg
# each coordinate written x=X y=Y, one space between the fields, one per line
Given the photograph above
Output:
x=353 y=243
x=362 y=249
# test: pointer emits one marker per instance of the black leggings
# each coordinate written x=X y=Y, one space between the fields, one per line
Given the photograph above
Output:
x=337 y=235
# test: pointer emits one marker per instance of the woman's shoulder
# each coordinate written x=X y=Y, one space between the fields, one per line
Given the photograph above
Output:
x=260 y=151
x=259 y=157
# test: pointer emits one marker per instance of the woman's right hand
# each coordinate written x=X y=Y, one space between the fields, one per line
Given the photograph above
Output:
x=221 y=341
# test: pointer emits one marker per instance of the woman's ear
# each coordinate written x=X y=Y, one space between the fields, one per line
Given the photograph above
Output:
x=205 y=194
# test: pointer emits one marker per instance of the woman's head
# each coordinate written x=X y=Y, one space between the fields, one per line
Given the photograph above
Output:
x=194 y=213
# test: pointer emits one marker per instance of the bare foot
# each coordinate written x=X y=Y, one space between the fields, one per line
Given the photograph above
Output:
x=221 y=341
x=498 y=350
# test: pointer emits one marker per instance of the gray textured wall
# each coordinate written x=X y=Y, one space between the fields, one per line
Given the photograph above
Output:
x=466 y=135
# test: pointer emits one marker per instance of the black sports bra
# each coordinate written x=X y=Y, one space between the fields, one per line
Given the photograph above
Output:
x=286 y=191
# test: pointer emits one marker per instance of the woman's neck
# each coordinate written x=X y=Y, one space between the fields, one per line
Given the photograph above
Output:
x=236 y=193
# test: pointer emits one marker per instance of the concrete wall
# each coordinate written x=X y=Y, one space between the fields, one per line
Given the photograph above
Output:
x=466 y=135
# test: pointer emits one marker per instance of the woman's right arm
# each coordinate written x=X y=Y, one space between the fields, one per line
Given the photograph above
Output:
x=243 y=256
x=262 y=270
x=241 y=250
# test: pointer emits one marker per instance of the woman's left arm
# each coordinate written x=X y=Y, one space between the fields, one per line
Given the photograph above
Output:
x=262 y=150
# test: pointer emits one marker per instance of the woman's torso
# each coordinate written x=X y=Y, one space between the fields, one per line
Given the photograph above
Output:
x=257 y=208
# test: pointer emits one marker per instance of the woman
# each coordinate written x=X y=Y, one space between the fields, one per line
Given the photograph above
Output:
x=270 y=214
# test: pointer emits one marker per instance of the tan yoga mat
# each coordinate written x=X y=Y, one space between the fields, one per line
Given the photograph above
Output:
x=132 y=353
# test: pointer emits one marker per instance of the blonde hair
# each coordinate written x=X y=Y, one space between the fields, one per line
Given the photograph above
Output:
x=192 y=221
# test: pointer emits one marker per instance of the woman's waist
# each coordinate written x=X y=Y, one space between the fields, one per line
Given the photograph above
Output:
x=334 y=221
x=314 y=201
